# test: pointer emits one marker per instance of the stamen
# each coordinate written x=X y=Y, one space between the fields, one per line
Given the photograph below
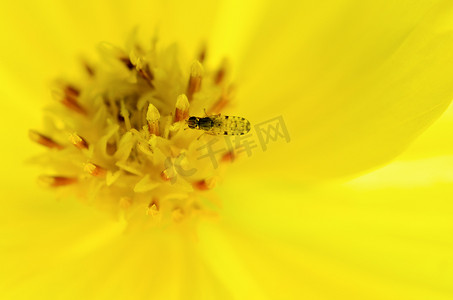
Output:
x=202 y=54
x=124 y=113
x=205 y=184
x=182 y=108
x=139 y=49
x=221 y=72
x=177 y=215
x=165 y=175
x=95 y=170
x=78 y=141
x=89 y=69
x=68 y=97
x=153 y=116
x=229 y=156
x=223 y=101
x=134 y=151
x=153 y=209
x=196 y=75
x=127 y=62
x=146 y=74
x=71 y=91
x=72 y=104
x=56 y=181
x=111 y=148
x=125 y=202
x=44 y=140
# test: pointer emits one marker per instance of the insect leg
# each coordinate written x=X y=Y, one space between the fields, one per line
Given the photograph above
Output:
x=201 y=136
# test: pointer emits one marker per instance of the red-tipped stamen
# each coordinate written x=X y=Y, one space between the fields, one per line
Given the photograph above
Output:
x=95 y=170
x=153 y=116
x=44 y=140
x=56 y=181
x=182 y=108
x=196 y=75
x=78 y=141
x=205 y=184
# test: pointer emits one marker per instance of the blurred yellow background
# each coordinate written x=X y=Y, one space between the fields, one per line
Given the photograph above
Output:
x=330 y=215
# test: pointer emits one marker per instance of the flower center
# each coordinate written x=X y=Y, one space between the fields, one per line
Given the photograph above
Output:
x=119 y=139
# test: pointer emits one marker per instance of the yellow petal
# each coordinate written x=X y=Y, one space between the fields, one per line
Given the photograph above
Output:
x=354 y=86
x=436 y=141
x=385 y=235
x=51 y=249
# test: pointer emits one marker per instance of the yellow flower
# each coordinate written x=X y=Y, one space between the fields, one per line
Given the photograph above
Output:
x=355 y=82
x=117 y=139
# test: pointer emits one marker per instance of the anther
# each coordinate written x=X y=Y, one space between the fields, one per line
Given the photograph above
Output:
x=89 y=69
x=196 y=75
x=146 y=74
x=153 y=116
x=78 y=141
x=71 y=91
x=221 y=72
x=68 y=98
x=205 y=184
x=228 y=157
x=165 y=175
x=182 y=108
x=95 y=170
x=56 y=181
x=72 y=104
x=202 y=53
x=153 y=208
x=44 y=140
x=127 y=62
x=177 y=214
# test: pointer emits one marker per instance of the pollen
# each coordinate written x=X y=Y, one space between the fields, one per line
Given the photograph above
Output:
x=117 y=138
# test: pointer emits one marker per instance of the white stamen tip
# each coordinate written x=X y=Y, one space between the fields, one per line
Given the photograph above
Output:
x=182 y=103
x=182 y=108
x=196 y=70
x=153 y=114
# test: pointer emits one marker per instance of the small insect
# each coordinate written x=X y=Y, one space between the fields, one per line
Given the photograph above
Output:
x=220 y=125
